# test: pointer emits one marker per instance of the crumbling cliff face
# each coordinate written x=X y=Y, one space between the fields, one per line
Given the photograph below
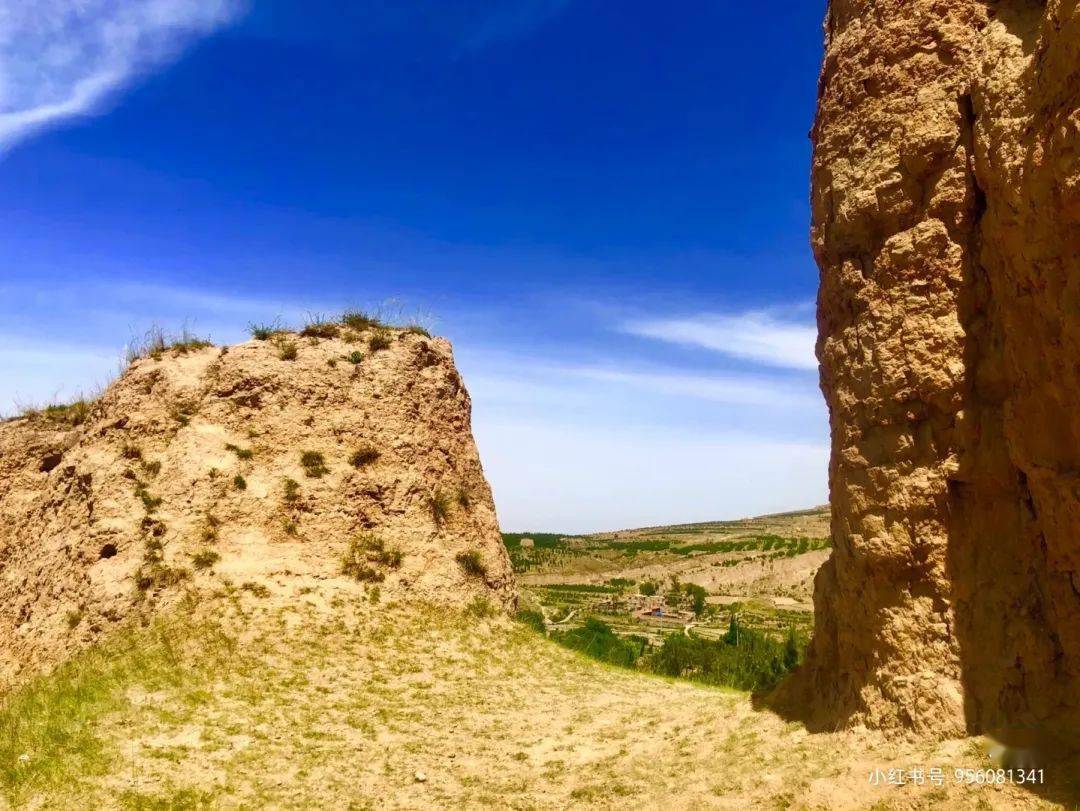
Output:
x=946 y=224
x=289 y=468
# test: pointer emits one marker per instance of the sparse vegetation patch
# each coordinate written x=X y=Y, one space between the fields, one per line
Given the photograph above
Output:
x=70 y=414
x=292 y=491
x=367 y=559
x=314 y=464
x=49 y=735
x=438 y=504
x=209 y=532
x=205 y=559
x=150 y=502
x=287 y=350
x=154 y=573
x=183 y=411
x=241 y=453
x=472 y=563
x=379 y=340
x=156 y=342
x=318 y=327
x=256 y=589
x=359 y=321
x=264 y=332
x=363 y=456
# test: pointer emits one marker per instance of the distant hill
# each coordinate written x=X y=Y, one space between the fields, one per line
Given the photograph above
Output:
x=761 y=567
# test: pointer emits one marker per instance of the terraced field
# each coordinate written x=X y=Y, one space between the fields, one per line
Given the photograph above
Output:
x=758 y=569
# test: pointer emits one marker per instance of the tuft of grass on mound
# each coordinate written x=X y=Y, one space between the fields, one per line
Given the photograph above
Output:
x=367 y=558
x=71 y=414
x=314 y=464
x=364 y=455
x=319 y=327
x=264 y=332
x=472 y=563
x=379 y=340
x=156 y=342
x=359 y=320
x=49 y=733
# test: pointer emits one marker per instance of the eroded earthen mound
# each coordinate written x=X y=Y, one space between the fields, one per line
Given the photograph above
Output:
x=946 y=222
x=279 y=464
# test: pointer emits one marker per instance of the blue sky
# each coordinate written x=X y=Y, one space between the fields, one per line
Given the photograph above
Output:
x=603 y=205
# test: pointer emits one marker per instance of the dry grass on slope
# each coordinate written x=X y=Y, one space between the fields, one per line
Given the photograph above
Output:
x=340 y=703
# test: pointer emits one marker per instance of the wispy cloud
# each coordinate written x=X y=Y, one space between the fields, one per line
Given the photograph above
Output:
x=551 y=476
x=510 y=20
x=518 y=378
x=61 y=59
x=587 y=446
x=577 y=443
x=756 y=336
x=574 y=436
x=173 y=299
x=33 y=373
x=732 y=389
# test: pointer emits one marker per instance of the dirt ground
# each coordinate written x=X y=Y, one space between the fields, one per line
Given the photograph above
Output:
x=330 y=701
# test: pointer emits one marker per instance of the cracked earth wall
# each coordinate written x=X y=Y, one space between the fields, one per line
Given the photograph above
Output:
x=188 y=474
x=946 y=226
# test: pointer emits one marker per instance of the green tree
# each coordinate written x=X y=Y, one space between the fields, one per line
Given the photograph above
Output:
x=756 y=663
x=791 y=650
x=648 y=588
x=732 y=636
x=697 y=596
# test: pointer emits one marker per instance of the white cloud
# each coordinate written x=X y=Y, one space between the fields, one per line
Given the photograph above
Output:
x=756 y=336
x=577 y=448
x=33 y=374
x=529 y=379
x=178 y=302
x=123 y=311
x=721 y=388
x=60 y=59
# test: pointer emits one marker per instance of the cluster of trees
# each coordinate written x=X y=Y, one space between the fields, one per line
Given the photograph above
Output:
x=691 y=593
x=696 y=595
x=598 y=640
x=743 y=658
x=649 y=588
x=789 y=546
x=546 y=548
